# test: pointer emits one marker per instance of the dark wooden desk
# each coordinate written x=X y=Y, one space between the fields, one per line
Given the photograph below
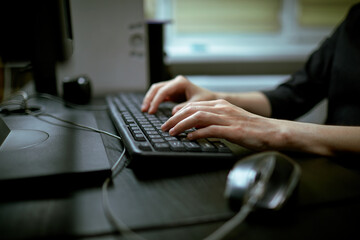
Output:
x=188 y=206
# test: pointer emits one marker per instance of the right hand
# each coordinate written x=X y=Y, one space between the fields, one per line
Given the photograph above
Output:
x=179 y=89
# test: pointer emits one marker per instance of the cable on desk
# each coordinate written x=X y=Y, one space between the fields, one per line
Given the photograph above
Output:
x=121 y=227
x=71 y=105
x=234 y=222
x=23 y=103
x=75 y=124
x=254 y=194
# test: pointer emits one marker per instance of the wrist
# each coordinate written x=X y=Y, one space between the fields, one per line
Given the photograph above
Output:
x=220 y=95
x=305 y=137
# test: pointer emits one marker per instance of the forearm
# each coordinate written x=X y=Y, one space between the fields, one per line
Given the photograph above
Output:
x=255 y=102
x=321 y=139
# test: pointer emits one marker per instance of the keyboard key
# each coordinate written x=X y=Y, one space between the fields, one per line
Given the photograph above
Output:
x=222 y=147
x=129 y=119
x=137 y=131
x=171 y=139
x=189 y=130
x=145 y=146
x=139 y=137
x=192 y=146
x=152 y=132
x=154 y=136
x=162 y=146
x=184 y=139
x=206 y=146
x=157 y=140
x=182 y=135
x=165 y=134
x=177 y=146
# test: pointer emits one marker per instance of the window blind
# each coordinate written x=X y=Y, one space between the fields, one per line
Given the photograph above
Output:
x=322 y=13
x=226 y=16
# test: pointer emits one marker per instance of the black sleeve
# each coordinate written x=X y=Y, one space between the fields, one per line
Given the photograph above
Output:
x=308 y=86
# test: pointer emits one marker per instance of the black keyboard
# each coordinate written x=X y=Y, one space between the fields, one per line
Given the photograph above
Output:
x=148 y=146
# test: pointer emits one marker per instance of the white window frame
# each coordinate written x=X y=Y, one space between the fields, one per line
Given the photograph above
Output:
x=292 y=43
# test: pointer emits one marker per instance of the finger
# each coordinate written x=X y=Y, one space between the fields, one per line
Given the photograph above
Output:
x=197 y=120
x=183 y=113
x=209 y=132
x=187 y=109
x=178 y=107
x=149 y=96
x=165 y=92
x=189 y=104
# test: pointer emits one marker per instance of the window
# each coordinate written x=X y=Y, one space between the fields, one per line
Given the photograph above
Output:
x=225 y=17
x=245 y=30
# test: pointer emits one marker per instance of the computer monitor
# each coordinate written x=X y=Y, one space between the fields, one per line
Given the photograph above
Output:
x=39 y=32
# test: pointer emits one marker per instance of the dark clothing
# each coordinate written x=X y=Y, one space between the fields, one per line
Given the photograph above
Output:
x=332 y=72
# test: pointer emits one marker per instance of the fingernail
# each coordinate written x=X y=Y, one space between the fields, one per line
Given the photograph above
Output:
x=150 y=110
x=190 y=136
x=163 y=127
x=172 y=132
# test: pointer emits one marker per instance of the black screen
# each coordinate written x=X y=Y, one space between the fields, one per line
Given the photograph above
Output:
x=38 y=31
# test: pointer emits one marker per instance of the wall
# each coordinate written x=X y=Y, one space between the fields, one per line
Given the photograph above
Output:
x=110 y=45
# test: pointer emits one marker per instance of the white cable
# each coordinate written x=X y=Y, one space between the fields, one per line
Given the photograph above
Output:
x=255 y=194
x=75 y=124
x=72 y=105
x=239 y=218
x=121 y=227
x=230 y=225
x=116 y=164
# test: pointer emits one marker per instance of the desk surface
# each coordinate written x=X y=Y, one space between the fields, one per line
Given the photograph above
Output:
x=188 y=206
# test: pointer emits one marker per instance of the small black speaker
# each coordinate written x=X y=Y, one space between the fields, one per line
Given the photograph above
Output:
x=77 y=90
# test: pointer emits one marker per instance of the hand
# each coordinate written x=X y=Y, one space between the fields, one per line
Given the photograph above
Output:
x=221 y=119
x=179 y=89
